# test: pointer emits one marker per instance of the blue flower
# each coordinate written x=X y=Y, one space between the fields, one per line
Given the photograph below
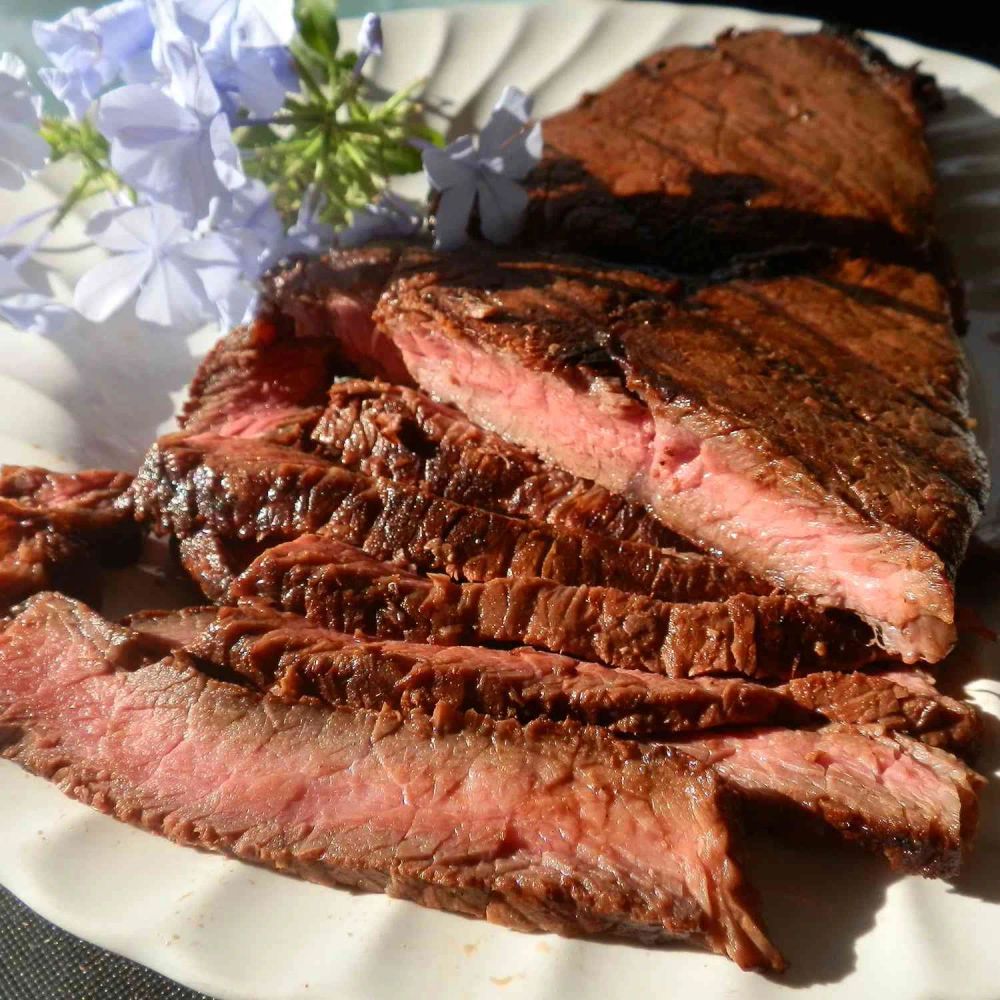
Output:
x=388 y=217
x=484 y=175
x=24 y=308
x=244 y=46
x=369 y=41
x=91 y=49
x=22 y=150
x=175 y=147
x=157 y=260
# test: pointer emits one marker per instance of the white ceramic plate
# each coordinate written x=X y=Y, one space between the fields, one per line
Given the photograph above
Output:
x=98 y=396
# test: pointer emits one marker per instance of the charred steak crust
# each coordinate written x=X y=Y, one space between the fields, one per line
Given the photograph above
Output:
x=54 y=525
x=751 y=156
x=393 y=432
x=250 y=490
x=629 y=841
x=769 y=637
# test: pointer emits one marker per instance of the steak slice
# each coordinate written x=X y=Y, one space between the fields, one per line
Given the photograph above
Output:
x=912 y=802
x=629 y=840
x=905 y=701
x=762 y=140
x=265 y=380
x=392 y=432
x=849 y=490
x=285 y=656
x=213 y=563
x=53 y=525
x=915 y=803
x=251 y=490
x=770 y=637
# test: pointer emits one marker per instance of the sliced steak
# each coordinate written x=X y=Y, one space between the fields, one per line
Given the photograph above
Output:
x=854 y=489
x=759 y=141
x=285 y=656
x=912 y=802
x=55 y=525
x=251 y=490
x=629 y=840
x=213 y=563
x=265 y=380
x=915 y=803
x=163 y=632
x=392 y=432
x=905 y=701
x=770 y=637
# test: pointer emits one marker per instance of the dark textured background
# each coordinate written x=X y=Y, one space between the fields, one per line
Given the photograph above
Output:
x=40 y=962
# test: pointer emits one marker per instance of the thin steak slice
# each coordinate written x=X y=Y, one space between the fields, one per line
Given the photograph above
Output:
x=769 y=637
x=904 y=701
x=915 y=803
x=392 y=432
x=251 y=490
x=912 y=802
x=737 y=423
x=549 y=827
x=759 y=141
x=54 y=526
x=265 y=380
x=213 y=563
x=285 y=656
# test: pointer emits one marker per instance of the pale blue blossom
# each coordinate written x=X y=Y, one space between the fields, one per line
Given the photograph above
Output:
x=22 y=150
x=157 y=261
x=90 y=49
x=388 y=217
x=309 y=234
x=173 y=145
x=244 y=45
x=369 y=41
x=485 y=174
x=24 y=308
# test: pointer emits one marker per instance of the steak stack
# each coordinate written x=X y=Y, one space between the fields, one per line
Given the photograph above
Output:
x=531 y=570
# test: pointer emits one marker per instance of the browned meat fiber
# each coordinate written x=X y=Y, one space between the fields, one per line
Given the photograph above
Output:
x=914 y=803
x=630 y=840
x=252 y=490
x=860 y=489
x=54 y=526
x=770 y=637
x=392 y=432
x=762 y=140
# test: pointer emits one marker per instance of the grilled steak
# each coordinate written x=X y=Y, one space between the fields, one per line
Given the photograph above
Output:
x=213 y=563
x=630 y=840
x=392 y=432
x=904 y=701
x=263 y=380
x=912 y=802
x=890 y=793
x=54 y=525
x=759 y=141
x=854 y=489
x=339 y=586
x=283 y=655
x=252 y=490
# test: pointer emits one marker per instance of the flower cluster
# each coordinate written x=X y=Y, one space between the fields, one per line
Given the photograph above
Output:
x=223 y=135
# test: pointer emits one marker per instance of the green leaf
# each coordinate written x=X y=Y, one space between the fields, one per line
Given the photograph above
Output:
x=317 y=24
x=401 y=160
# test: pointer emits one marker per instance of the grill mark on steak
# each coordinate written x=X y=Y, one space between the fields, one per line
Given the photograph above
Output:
x=696 y=155
x=55 y=525
x=250 y=490
x=342 y=588
x=548 y=827
x=397 y=433
x=712 y=455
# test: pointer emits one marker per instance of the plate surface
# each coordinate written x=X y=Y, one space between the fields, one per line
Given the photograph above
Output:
x=97 y=396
